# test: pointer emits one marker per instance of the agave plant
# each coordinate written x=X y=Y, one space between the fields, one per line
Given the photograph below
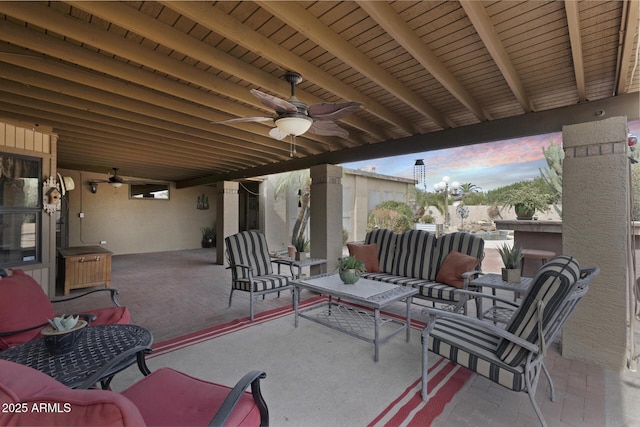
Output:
x=64 y=322
x=511 y=256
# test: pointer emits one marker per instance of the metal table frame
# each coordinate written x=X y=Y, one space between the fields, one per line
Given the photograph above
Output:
x=355 y=321
x=494 y=281
x=100 y=353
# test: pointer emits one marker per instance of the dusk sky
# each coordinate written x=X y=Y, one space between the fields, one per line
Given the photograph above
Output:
x=488 y=166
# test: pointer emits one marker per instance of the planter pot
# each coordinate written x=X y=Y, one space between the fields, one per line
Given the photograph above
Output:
x=511 y=275
x=349 y=277
x=301 y=256
x=523 y=213
x=58 y=342
x=208 y=243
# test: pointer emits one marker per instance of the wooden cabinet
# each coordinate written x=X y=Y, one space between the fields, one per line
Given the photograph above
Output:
x=84 y=266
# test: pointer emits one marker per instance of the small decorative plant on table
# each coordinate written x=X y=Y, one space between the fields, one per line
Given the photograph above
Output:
x=512 y=258
x=302 y=247
x=349 y=269
x=63 y=333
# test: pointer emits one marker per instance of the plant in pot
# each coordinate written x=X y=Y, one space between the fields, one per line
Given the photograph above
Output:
x=302 y=247
x=208 y=237
x=526 y=200
x=511 y=257
x=349 y=269
x=63 y=333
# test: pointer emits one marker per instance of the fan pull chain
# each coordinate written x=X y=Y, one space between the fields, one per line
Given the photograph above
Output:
x=292 y=147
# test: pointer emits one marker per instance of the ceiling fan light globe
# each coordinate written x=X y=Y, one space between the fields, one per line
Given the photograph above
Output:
x=294 y=125
x=116 y=184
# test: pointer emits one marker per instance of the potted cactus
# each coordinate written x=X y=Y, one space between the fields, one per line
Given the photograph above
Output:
x=63 y=333
x=349 y=269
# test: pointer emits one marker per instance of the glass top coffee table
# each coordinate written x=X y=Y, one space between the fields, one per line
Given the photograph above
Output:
x=362 y=319
x=100 y=353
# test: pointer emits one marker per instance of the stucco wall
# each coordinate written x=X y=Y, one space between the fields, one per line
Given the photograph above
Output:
x=132 y=225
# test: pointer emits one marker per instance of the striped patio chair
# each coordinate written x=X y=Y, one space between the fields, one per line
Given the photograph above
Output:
x=250 y=264
x=514 y=356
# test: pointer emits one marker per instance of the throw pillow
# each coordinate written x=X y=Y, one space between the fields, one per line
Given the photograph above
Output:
x=367 y=254
x=453 y=266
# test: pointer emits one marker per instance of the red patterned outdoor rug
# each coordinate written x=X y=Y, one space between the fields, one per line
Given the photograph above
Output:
x=316 y=376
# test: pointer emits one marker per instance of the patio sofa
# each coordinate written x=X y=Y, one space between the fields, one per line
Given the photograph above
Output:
x=437 y=267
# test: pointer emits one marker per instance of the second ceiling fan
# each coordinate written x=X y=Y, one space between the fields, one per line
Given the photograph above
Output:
x=293 y=117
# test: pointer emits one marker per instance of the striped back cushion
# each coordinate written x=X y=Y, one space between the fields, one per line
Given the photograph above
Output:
x=249 y=248
x=465 y=243
x=414 y=251
x=551 y=285
x=386 y=241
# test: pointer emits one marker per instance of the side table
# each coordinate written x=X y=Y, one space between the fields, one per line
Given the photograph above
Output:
x=494 y=281
x=100 y=353
x=292 y=262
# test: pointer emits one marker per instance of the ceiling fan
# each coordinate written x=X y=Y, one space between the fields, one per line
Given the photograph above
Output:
x=115 y=180
x=293 y=117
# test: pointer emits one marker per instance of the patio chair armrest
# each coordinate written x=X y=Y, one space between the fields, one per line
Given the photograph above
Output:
x=435 y=314
x=250 y=379
x=246 y=267
x=19 y=331
x=112 y=291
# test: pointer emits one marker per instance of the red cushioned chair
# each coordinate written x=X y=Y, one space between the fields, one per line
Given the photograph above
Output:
x=25 y=309
x=164 y=398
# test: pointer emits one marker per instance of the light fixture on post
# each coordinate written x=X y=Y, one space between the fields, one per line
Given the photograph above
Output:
x=447 y=189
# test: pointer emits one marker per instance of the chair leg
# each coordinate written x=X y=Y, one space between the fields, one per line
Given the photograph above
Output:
x=231 y=296
x=425 y=367
x=552 y=393
x=531 y=391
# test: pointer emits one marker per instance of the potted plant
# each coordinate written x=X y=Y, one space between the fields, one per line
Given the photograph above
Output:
x=526 y=201
x=302 y=246
x=511 y=257
x=62 y=333
x=349 y=269
x=208 y=237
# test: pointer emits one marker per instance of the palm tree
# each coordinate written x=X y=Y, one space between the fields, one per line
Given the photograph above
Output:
x=301 y=180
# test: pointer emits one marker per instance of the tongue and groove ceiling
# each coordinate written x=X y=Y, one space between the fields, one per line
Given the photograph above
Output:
x=137 y=85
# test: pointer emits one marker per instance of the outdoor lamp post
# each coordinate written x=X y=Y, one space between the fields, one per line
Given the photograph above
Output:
x=447 y=189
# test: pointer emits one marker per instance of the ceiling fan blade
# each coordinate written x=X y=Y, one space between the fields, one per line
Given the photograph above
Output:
x=333 y=111
x=246 y=119
x=277 y=134
x=327 y=128
x=280 y=105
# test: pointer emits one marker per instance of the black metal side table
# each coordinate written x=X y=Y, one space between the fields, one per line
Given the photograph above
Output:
x=100 y=353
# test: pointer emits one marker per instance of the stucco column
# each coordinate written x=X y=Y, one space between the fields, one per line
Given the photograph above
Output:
x=227 y=206
x=595 y=229
x=326 y=215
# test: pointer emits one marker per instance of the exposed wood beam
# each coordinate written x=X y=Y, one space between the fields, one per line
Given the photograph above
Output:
x=294 y=15
x=485 y=29
x=66 y=25
x=144 y=25
x=573 y=21
x=536 y=123
x=225 y=25
x=393 y=24
x=629 y=36
x=111 y=105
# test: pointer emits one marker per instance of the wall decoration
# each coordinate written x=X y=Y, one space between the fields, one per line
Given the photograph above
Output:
x=203 y=202
x=50 y=195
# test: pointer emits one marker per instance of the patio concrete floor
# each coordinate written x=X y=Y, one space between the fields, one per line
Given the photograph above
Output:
x=175 y=293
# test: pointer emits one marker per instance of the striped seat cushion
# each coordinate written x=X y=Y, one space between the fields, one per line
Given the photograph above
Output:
x=414 y=251
x=465 y=243
x=474 y=348
x=426 y=289
x=262 y=283
x=386 y=242
x=249 y=248
x=551 y=285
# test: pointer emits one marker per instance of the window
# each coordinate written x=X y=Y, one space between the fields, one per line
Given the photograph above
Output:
x=20 y=210
x=153 y=191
